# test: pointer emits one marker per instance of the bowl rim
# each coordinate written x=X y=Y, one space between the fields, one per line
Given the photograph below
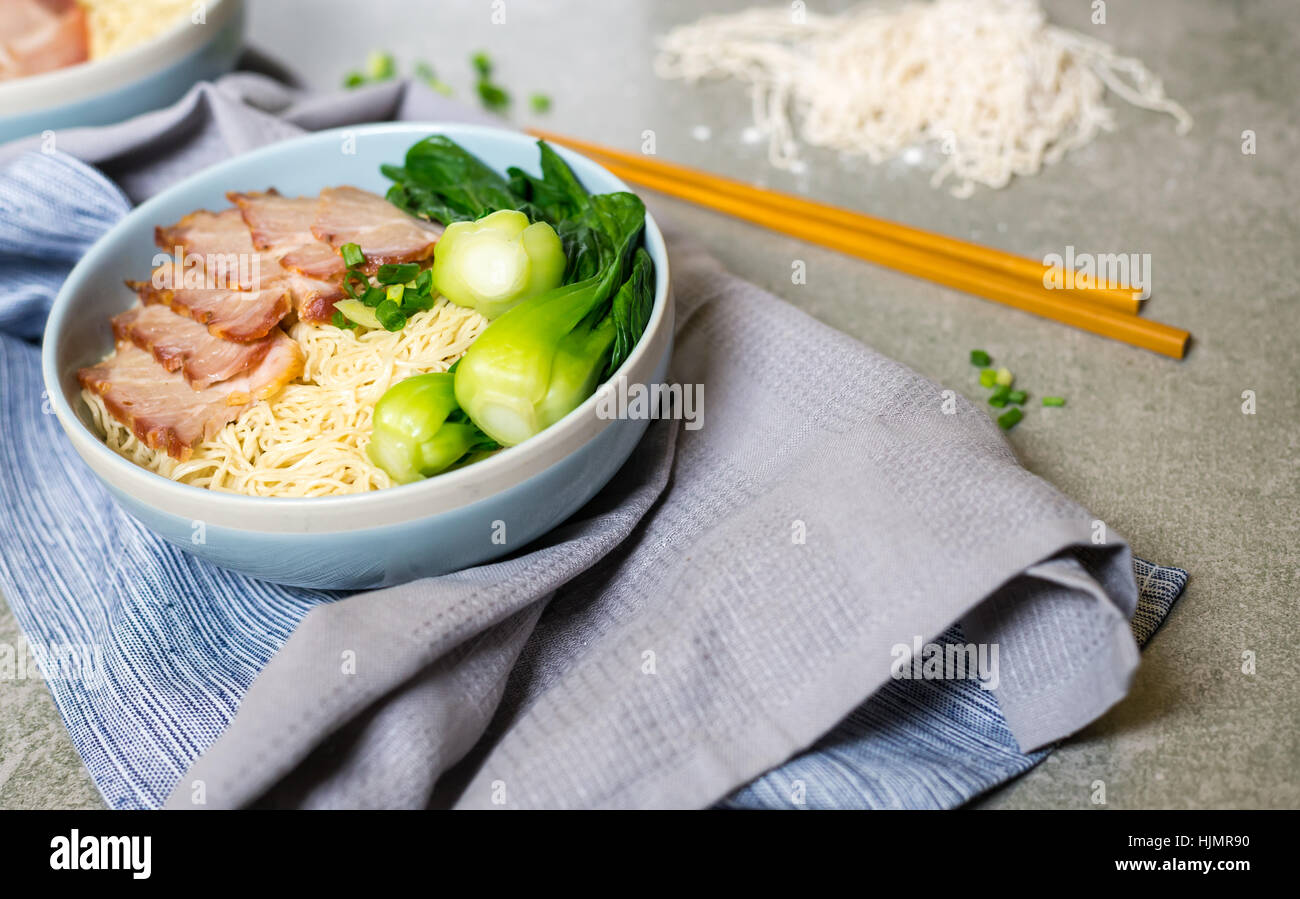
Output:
x=87 y=80
x=231 y=505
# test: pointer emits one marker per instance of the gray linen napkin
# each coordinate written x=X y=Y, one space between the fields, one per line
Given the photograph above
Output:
x=725 y=601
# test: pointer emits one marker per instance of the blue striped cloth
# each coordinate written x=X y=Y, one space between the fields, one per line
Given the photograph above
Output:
x=160 y=647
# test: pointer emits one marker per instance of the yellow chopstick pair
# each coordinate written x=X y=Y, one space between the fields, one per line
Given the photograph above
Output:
x=986 y=272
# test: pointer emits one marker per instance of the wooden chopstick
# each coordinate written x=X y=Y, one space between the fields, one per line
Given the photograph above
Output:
x=1004 y=284
x=1122 y=298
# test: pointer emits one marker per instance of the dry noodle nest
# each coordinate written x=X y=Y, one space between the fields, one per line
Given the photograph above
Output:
x=997 y=88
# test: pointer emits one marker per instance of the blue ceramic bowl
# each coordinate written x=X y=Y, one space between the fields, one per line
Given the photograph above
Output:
x=451 y=521
x=149 y=76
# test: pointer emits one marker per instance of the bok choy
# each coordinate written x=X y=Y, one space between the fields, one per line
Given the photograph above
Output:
x=567 y=304
x=419 y=430
x=494 y=263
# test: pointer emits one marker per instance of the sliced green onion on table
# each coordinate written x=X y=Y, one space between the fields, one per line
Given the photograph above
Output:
x=1009 y=419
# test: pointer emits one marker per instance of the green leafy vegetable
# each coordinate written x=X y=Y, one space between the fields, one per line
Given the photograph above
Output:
x=498 y=261
x=546 y=349
x=577 y=369
x=444 y=182
x=508 y=382
x=557 y=194
x=630 y=311
x=419 y=430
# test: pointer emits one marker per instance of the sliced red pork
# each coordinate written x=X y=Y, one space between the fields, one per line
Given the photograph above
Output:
x=282 y=226
x=221 y=238
x=385 y=233
x=225 y=239
x=180 y=343
x=169 y=415
x=239 y=315
x=41 y=35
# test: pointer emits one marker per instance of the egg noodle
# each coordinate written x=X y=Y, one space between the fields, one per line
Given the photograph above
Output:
x=1001 y=91
x=310 y=439
x=117 y=25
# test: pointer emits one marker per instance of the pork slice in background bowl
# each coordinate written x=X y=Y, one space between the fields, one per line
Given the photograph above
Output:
x=40 y=91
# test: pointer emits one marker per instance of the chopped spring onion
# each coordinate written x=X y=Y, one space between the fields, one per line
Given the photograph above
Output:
x=988 y=377
x=352 y=255
x=394 y=294
x=1053 y=401
x=373 y=297
x=980 y=358
x=339 y=321
x=425 y=73
x=353 y=79
x=389 y=315
x=540 y=102
x=493 y=96
x=1004 y=377
x=380 y=66
x=416 y=300
x=1009 y=419
x=399 y=273
x=1017 y=397
x=355 y=284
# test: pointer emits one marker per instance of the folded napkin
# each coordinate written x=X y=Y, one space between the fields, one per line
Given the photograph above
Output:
x=728 y=608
